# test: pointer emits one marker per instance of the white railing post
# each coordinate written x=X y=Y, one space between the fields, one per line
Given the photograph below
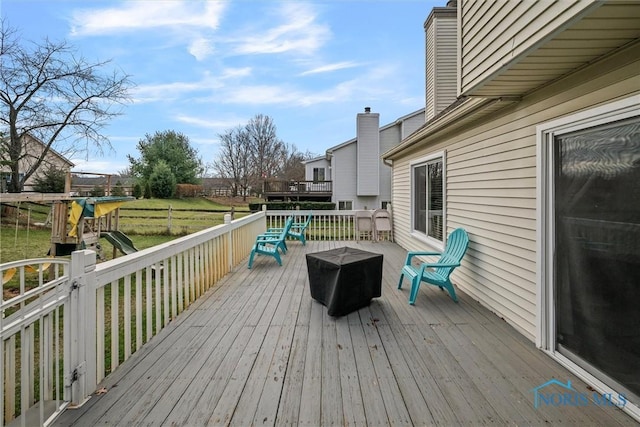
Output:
x=227 y=222
x=82 y=327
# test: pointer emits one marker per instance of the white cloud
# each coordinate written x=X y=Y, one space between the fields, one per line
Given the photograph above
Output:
x=205 y=141
x=373 y=83
x=201 y=48
x=174 y=90
x=262 y=95
x=188 y=20
x=331 y=67
x=137 y=15
x=98 y=166
x=208 y=123
x=299 y=32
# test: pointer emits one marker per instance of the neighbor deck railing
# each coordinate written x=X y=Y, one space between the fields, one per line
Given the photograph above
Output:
x=325 y=225
x=68 y=323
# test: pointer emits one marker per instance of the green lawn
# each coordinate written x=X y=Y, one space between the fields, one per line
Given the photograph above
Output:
x=35 y=243
x=146 y=228
x=189 y=204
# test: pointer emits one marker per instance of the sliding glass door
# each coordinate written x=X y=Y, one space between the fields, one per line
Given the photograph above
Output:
x=596 y=257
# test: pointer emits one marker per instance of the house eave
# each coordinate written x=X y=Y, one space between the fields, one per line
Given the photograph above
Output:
x=519 y=76
x=466 y=111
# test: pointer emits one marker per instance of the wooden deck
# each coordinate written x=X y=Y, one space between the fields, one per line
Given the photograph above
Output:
x=257 y=350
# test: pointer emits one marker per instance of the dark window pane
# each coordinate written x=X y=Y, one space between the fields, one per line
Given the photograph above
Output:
x=435 y=199
x=597 y=247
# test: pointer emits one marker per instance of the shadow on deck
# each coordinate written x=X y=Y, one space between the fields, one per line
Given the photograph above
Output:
x=257 y=350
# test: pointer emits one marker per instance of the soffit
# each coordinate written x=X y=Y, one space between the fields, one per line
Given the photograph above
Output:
x=606 y=29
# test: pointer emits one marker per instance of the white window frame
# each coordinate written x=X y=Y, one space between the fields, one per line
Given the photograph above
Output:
x=545 y=315
x=345 y=201
x=316 y=173
x=419 y=235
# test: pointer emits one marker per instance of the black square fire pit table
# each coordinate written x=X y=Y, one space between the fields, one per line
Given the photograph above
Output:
x=344 y=279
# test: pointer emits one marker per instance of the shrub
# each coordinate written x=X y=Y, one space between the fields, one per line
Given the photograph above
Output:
x=147 y=190
x=162 y=181
x=302 y=205
x=50 y=181
x=97 y=191
x=118 y=190
x=188 y=190
x=137 y=190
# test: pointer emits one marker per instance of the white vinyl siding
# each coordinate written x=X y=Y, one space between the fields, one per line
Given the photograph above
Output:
x=33 y=150
x=441 y=67
x=494 y=33
x=311 y=166
x=343 y=170
x=368 y=154
x=389 y=138
x=491 y=186
x=410 y=125
x=430 y=59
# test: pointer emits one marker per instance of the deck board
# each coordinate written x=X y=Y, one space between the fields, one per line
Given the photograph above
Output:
x=257 y=350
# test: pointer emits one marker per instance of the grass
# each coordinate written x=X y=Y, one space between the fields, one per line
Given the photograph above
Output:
x=188 y=204
x=23 y=243
x=145 y=227
x=35 y=243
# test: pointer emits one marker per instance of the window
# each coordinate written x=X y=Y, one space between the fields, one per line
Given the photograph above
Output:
x=385 y=204
x=5 y=180
x=318 y=174
x=428 y=197
x=345 y=205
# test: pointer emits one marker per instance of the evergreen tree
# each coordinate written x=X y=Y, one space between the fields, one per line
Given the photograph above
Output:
x=137 y=190
x=118 y=190
x=162 y=181
x=50 y=181
x=147 y=190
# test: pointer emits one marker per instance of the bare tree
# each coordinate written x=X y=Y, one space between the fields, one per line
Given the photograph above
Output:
x=253 y=153
x=292 y=167
x=267 y=150
x=233 y=162
x=49 y=92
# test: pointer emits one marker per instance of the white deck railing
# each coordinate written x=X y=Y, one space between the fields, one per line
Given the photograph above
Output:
x=325 y=225
x=66 y=324
x=36 y=298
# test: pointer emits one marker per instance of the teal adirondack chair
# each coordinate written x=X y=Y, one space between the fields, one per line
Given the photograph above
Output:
x=271 y=244
x=297 y=230
x=436 y=274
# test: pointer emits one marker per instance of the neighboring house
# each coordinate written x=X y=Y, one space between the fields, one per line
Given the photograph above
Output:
x=360 y=180
x=218 y=187
x=539 y=160
x=34 y=147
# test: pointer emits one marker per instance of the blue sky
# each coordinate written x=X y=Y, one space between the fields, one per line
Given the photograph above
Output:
x=203 y=67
